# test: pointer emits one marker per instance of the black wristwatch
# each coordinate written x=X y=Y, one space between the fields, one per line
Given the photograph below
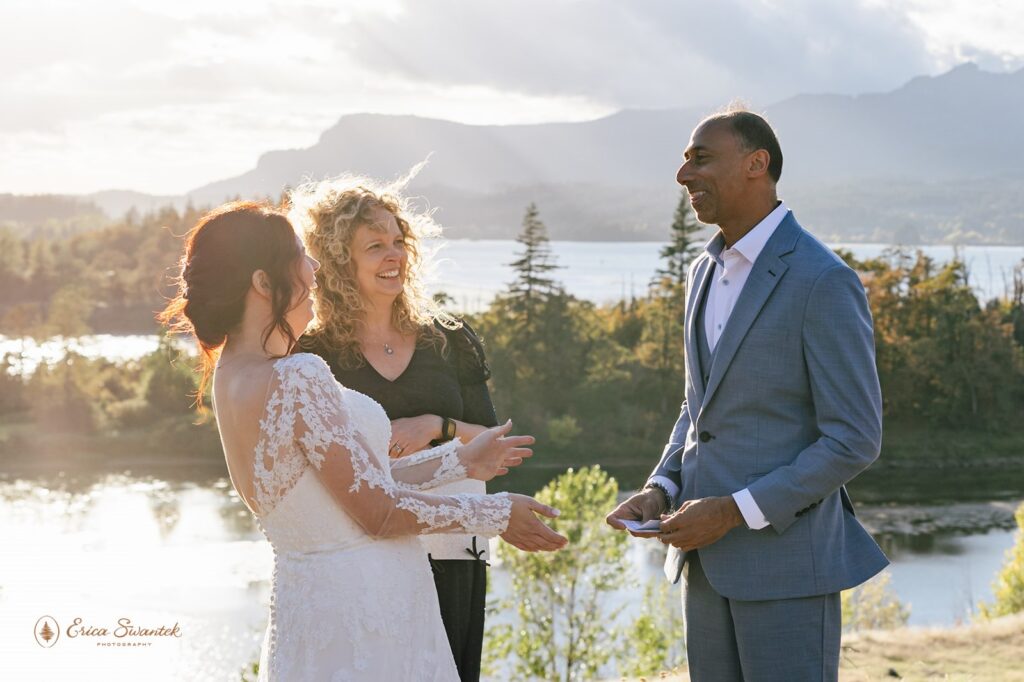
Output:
x=654 y=485
x=447 y=429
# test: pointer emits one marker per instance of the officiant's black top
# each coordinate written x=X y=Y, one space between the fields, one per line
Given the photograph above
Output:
x=450 y=383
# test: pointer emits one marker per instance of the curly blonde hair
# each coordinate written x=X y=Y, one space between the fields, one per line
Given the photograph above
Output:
x=327 y=214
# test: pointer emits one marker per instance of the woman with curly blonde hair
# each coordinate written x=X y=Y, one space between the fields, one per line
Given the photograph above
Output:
x=382 y=335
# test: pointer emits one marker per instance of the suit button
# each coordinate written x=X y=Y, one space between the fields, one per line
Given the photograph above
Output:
x=707 y=378
x=705 y=436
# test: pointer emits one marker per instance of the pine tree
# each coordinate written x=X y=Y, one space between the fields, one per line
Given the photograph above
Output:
x=533 y=286
x=682 y=248
x=536 y=333
x=667 y=300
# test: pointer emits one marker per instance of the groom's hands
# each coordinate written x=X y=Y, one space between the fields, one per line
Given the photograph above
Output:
x=699 y=523
x=645 y=505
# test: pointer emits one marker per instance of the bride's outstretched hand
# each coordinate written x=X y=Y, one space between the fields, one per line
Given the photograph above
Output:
x=493 y=452
x=526 y=532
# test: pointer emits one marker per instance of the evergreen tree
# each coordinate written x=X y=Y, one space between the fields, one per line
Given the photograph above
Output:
x=538 y=337
x=667 y=301
x=533 y=286
x=682 y=248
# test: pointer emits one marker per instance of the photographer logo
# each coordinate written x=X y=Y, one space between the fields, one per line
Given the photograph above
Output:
x=124 y=633
x=47 y=632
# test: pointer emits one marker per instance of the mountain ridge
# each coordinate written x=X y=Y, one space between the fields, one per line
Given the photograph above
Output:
x=613 y=177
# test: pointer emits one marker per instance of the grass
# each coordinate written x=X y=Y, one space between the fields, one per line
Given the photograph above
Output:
x=981 y=652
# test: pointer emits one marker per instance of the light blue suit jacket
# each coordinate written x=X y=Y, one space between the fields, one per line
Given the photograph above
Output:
x=791 y=410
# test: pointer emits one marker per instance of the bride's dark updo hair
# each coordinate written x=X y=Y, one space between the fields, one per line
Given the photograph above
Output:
x=222 y=251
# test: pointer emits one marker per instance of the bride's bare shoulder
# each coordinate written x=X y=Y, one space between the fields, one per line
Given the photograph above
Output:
x=241 y=388
x=244 y=388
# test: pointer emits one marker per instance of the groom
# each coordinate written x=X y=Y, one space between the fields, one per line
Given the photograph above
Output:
x=782 y=408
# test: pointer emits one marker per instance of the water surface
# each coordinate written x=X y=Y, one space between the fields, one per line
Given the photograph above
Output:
x=164 y=552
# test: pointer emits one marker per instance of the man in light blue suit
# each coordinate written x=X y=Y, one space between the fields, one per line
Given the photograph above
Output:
x=782 y=408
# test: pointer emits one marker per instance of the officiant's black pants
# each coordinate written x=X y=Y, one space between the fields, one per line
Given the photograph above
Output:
x=462 y=593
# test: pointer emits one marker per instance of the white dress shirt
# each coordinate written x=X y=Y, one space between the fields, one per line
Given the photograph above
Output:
x=732 y=267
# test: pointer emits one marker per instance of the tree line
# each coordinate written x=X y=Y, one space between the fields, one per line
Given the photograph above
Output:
x=603 y=384
x=597 y=384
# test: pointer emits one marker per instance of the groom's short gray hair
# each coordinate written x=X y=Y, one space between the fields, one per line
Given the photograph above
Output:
x=754 y=132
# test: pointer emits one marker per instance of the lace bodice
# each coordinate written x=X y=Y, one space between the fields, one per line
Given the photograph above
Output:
x=315 y=428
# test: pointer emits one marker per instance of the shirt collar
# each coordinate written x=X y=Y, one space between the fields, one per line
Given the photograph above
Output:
x=752 y=243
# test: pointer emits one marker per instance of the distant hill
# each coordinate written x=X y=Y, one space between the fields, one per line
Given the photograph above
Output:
x=962 y=124
x=117 y=202
x=935 y=160
x=886 y=166
x=51 y=215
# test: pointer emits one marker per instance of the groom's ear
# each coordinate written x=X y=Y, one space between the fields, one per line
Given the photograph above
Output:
x=758 y=163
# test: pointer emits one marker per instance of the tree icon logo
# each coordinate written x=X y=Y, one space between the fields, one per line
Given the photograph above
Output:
x=47 y=632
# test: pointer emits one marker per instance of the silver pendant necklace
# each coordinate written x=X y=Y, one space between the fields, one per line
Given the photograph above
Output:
x=388 y=349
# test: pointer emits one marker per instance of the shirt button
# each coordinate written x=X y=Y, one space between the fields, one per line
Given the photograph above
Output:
x=725 y=282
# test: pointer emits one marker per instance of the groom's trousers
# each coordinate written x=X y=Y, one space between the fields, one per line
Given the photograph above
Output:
x=784 y=640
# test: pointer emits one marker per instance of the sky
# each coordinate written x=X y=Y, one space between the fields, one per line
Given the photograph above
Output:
x=163 y=97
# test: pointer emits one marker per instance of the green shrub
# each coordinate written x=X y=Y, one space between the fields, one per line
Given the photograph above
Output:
x=1008 y=588
x=873 y=606
x=657 y=640
x=563 y=628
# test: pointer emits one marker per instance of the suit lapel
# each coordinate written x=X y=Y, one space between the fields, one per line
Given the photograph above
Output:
x=764 y=277
x=701 y=279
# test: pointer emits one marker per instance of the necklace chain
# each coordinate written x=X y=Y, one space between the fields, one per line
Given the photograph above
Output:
x=388 y=348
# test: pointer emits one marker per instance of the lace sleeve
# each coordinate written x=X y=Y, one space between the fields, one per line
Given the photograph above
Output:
x=325 y=431
x=430 y=468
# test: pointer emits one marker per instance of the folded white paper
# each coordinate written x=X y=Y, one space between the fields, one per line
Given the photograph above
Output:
x=652 y=527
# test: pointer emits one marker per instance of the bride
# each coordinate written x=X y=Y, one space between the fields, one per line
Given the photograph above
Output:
x=352 y=595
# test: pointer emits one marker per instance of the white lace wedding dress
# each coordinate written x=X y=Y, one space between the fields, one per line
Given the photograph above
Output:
x=353 y=597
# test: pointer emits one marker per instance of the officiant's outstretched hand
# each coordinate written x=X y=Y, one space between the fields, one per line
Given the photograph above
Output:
x=493 y=452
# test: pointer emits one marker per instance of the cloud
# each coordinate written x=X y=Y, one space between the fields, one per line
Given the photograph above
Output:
x=657 y=53
x=74 y=62
x=224 y=81
x=987 y=32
